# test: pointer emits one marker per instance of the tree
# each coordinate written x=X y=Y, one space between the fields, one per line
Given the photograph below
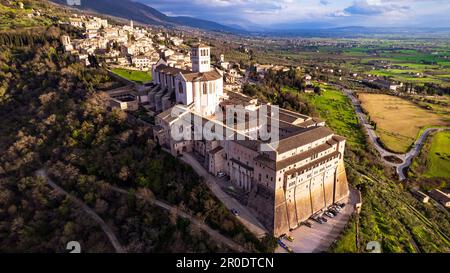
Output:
x=317 y=90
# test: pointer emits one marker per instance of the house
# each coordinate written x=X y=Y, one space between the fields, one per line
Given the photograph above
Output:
x=383 y=84
x=422 y=197
x=176 y=41
x=141 y=62
x=441 y=197
x=307 y=78
x=124 y=98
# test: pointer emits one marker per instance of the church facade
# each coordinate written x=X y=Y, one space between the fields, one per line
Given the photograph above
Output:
x=202 y=87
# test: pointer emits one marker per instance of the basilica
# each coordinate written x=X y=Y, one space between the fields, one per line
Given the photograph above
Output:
x=284 y=181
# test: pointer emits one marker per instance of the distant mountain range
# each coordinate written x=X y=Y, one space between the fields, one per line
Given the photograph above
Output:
x=142 y=13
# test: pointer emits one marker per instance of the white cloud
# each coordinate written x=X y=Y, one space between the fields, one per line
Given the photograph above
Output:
x=339 y=12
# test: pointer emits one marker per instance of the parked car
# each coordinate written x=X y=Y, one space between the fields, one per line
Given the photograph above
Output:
x=329 y=214
x=235 y=212
x=283 y=245
x=318 y=220
x=323 y=219
x=221 y=174
x=333 y=211
x=337 y=208
x=290 y=238
x=308 y=224
x=341 y=205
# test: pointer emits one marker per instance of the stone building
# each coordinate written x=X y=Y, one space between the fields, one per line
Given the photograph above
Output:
x=286 y=181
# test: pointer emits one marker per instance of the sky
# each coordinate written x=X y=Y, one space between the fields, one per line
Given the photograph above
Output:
x=273 y=14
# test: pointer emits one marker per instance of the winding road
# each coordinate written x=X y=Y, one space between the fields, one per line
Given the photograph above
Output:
x=106 y=229
x=246 y=216
x=110 y=234
x=213 y=233
x=406 y=157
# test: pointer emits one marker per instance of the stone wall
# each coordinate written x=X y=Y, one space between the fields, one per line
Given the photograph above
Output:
x=311 y=196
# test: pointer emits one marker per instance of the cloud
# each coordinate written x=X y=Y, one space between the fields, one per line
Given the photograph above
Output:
x=374 y=7
x=254 y=13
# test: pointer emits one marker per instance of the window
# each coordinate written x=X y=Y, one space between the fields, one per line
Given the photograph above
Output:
x=180 y=88
x=205 y=88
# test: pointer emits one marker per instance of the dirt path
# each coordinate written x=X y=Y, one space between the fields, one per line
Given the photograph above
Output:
x=213 y=233
x=245 y=215
x=106 y=229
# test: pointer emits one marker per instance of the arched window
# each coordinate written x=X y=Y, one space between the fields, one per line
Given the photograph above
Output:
x=180 y=88
x=205 y=88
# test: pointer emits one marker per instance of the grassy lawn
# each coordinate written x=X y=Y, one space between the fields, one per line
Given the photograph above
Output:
x=347 y=241
x=336 y=109
x=289 y=89
x=438 y=161
x=398 y=120
x=132 y=75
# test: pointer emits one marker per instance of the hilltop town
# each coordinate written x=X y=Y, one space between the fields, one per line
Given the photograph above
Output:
x=131 y=137
x=309 y=153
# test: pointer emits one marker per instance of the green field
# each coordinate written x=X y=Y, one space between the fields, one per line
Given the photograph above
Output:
x=336 y=109
x=438 y=160
x=132 y=75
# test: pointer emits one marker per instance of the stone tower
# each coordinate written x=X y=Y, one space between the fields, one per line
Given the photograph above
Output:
x=200 y=57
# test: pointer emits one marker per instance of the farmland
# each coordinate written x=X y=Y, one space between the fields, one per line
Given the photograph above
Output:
x=438 y=162
x=434 y=161
x=398 y=121
x=408 y=61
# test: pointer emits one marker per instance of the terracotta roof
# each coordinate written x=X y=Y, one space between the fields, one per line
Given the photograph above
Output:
x=303 y=138
x=216 y=150
x=293 y=159
x=250 y=144
x=440 y=196
x=169 y=70
x=167 y=116
x=245 y=166
x=339 y=138
x=302 y=156
x=313 y=164
x=197 y=45
x=203 y=77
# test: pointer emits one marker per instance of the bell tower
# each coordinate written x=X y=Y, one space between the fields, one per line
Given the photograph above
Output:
x=200 y=57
